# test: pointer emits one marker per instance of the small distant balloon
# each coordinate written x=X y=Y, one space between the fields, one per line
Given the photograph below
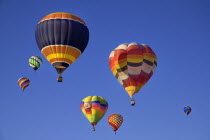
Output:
x=23 y=82
x=187 y=110
x=35 y=62
x=115 y=121
x=94 y=108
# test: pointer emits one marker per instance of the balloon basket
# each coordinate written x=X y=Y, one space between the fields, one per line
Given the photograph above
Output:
x=60 y=79
x=132 y=102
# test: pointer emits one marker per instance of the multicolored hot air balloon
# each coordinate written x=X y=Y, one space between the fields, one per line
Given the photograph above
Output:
x=35 y=62
x=133 y=65
x=62 y=38
x=94 y=108
x=23 y=82
x=187 y=110
x=115 y=121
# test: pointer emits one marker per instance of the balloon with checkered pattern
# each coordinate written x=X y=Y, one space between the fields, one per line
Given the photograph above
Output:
x=115 y=121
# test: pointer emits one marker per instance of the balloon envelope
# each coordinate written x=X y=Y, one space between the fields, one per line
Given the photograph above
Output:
x=132 y=65
x=23 y=82
x=62 y=38
x=94 y=108
x=187 y=110
x=115 y=121
x=35 y=62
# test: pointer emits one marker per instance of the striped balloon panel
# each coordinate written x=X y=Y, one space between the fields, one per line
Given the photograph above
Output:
x=61 y=55
x=23 y=82
x=187 y=109
x=62 y=38
x=35 y=62
x=115 y=121
x=62 y=15
x=133 y=65
x=94 y=108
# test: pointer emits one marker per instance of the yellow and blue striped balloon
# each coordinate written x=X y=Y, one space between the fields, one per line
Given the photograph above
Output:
x=94 y=108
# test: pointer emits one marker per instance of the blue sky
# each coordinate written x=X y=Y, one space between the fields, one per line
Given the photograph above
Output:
x=178 y=32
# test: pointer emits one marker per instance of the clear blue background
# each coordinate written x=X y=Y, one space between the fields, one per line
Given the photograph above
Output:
x=177 y=30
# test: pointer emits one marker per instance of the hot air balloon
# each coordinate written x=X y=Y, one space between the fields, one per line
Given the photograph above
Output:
x=94 y=108
x=133 y=65
x=62 y=38
x=35 y=62
x=23 y=82
x=115 y=121
x=187 y=110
